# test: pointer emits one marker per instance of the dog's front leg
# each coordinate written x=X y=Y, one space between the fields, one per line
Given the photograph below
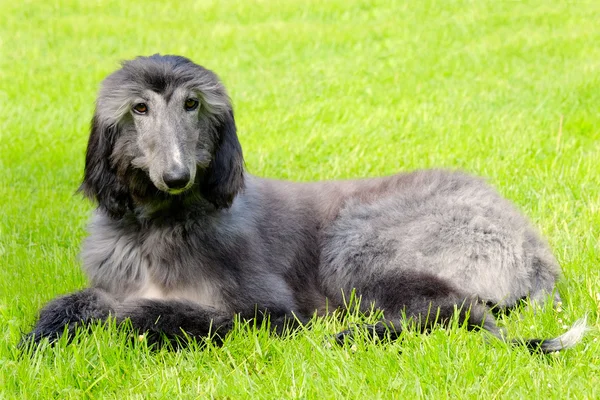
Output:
x=66 y=313
x=160 y=322
x=174 y=321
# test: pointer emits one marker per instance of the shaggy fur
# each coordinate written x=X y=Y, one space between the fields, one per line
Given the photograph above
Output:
x=183 y=238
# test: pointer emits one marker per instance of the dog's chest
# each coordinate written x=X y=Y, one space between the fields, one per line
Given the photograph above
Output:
x=163 y=263
x=202 y=292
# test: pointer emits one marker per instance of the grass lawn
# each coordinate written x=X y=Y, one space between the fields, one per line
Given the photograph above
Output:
x=322 y=90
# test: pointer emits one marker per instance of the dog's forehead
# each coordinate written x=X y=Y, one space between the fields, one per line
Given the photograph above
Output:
x=165 y=79
x=164 y=75
x=167 y=98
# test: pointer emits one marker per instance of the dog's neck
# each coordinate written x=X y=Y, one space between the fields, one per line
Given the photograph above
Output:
x=171 y=209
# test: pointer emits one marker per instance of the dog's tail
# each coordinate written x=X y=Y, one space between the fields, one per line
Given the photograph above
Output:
x=480 y=317
x=568 y=339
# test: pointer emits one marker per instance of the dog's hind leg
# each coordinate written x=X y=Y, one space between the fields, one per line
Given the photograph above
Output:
x=426 y=301
x=423 y=301
x=68 y=312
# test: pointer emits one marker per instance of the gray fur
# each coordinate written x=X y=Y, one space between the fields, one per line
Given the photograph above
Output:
x=228 y=242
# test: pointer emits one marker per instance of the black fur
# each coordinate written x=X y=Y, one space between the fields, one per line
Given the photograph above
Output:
x=225 y=175
x=67 y=313
x=101 y=182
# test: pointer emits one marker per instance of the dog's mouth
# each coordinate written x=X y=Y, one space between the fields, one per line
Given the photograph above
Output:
x=175 y=192
x=174 y=188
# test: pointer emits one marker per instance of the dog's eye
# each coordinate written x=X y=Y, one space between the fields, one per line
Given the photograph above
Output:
x=191 y=104
x=140 y=108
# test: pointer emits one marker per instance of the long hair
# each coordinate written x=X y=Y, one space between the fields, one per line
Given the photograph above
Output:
x=109 y=177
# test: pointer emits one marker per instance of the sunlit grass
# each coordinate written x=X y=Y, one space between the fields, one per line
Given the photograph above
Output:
x=322 y=90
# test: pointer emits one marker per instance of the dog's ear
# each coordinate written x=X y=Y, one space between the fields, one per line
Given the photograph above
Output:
x=224 y=177
x=100 y=181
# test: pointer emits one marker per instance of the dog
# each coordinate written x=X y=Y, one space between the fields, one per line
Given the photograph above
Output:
x=184 y=240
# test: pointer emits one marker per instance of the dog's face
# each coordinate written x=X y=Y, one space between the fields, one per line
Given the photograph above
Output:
x=169 y=138
x=163 y=129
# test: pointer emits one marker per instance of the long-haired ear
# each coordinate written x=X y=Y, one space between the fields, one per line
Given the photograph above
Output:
x=100 y=181
x=224 y=177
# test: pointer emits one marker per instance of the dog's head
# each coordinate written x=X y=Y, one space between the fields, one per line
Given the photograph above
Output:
x=163 y=128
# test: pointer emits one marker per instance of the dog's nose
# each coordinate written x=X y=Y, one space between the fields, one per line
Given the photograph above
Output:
x=177 y=179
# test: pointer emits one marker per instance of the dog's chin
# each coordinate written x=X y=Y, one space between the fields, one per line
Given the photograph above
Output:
x=175 y=192
x=170 y=191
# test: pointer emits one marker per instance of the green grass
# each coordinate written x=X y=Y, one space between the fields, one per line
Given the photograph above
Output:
x=335 y=89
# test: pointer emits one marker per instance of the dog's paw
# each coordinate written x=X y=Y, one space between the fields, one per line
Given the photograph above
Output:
x=345 y=336
x=378 y=331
